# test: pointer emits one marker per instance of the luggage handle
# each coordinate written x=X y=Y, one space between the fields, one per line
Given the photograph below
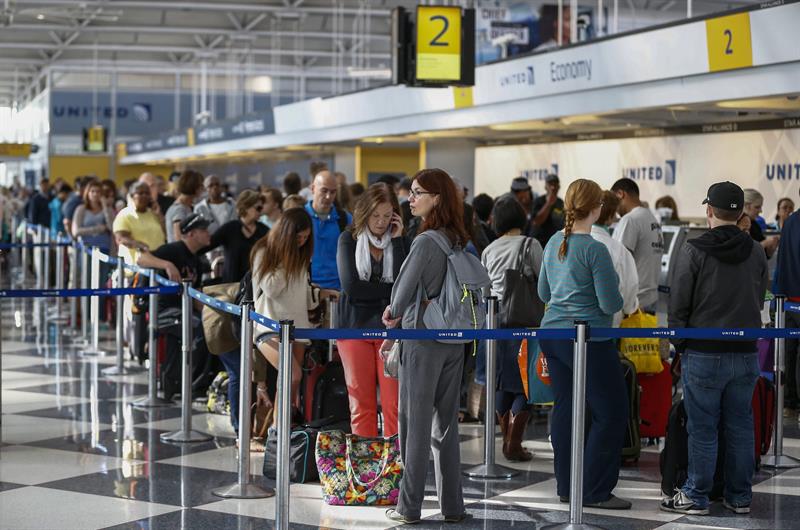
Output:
x=351 y=474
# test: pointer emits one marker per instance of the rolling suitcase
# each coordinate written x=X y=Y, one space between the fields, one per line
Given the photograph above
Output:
x=656 y=400
x=763 y=417
x=632 y=445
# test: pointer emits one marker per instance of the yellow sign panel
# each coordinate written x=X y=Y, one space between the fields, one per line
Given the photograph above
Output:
x=462 y=97
x=438 y=43
x=729 y=44
x=190 y=136
x=15 y=150
x=96 y=139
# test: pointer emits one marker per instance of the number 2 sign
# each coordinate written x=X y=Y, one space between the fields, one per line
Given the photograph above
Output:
x=438 y=43
x=729 y=44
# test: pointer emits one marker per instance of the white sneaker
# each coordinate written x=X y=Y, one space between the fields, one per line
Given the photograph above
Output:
x=681 y=503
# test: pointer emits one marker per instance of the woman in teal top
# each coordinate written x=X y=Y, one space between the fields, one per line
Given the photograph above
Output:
x=578 y=282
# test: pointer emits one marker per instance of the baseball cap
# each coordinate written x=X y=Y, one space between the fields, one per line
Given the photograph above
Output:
x=725 y=196
x=193 y=222
x=552 y=177
x=520 y=184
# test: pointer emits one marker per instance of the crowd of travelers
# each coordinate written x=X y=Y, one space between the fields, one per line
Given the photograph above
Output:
x=376 y=256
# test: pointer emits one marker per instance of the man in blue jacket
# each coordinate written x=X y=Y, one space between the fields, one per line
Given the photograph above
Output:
x=329 y=221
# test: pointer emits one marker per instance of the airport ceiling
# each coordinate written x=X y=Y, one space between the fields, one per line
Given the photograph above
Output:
x=333 y=45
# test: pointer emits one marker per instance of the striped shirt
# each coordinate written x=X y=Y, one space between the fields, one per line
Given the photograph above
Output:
x=582 y=287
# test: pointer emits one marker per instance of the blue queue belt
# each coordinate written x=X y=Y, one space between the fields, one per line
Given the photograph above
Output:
x=794 y=307
x=272 y=324
x=7 y=246
x=69 y=293
x=210 y=301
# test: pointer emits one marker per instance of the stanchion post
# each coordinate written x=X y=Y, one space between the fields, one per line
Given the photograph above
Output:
x=186 y=434
x=777 y=459
x=85 y=299
x=58 y=316
x=73 y=302
x=46 y=268
x=25 y=253
x=489 y=469
x=282 y=479
x=244 y=487
x=120 y=368
x=578 y=417
x=152 y=400
x=93 y=314
x=334 y=317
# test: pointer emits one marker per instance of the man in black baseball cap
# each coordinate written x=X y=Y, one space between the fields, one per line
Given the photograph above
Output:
x=720 y=281
x=180 y=260
x=725 y=196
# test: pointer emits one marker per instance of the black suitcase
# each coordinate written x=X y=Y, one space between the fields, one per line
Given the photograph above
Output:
x=331 y=400
x=674 y=459
x=632 y=444
x=302 y=450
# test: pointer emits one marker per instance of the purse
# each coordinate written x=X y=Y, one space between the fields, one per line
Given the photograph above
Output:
x=520 y=306
x=391 y=360
x=359 y=471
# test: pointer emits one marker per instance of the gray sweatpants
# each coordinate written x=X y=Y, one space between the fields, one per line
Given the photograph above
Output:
x=430 y=379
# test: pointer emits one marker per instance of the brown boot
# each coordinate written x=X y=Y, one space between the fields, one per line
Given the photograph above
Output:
x=513 y=450
x=504 y=427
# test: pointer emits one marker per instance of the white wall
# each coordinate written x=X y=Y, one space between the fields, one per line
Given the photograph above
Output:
x=457 y=157
x=344 y=160
x=751 y=159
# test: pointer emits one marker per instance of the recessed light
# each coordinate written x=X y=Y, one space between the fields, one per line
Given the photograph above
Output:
x=40 y=16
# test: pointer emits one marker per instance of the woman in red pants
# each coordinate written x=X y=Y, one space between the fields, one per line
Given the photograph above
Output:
x=369 y=257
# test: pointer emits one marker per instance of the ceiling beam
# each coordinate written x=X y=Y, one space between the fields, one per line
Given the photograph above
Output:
x=157 y=5
x=185 y=30
x=145 y=48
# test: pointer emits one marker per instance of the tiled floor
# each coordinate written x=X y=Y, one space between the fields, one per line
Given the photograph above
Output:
x=75 y=454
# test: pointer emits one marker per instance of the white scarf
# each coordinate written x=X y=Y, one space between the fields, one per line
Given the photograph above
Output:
x=364 y=258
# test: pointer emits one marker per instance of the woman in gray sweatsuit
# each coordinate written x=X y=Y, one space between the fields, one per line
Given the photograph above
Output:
x=430 y=372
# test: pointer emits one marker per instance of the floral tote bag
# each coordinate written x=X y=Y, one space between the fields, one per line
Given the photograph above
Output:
x=358 y=471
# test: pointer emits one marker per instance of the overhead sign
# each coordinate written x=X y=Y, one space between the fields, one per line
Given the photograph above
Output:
x=729 y=42
x=8 y=150
x=438 y=43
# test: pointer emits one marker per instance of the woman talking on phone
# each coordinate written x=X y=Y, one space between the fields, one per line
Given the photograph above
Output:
x=369 y=257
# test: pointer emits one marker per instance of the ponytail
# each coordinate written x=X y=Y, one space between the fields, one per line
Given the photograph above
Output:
x=569 y=222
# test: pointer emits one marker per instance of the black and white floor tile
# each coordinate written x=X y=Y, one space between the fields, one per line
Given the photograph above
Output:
x=75 y=454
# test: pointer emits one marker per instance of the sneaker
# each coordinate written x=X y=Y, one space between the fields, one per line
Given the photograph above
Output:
x=397 y=517
x=457 y=518
x=736 y=509
x=612 y=503
x=563 y=500
x=681 y=503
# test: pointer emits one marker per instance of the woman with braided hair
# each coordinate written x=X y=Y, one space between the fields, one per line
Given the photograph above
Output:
x=578 y=282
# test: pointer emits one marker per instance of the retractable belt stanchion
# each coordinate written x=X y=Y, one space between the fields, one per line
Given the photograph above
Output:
x=58 y=316
x=244 y=487
x=489 y=469
x=85 y=300
x=72 y=329
x=186 y=434
x=46 y=266
x=94 y=307
x=120 y=368
x=25 y=253
x=284 y=425
x=152 y=399
x=334 y=317
x=578 y=417
x=777 y=459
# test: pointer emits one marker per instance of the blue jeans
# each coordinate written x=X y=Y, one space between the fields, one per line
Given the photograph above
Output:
x=607 y=403
x=718 y=393
x=232 y=361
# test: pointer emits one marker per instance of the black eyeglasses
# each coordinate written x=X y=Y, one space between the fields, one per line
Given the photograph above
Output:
x=416 y=193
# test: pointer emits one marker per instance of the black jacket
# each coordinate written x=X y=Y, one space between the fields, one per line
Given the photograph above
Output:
x=361 y=303
x=720 y=281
